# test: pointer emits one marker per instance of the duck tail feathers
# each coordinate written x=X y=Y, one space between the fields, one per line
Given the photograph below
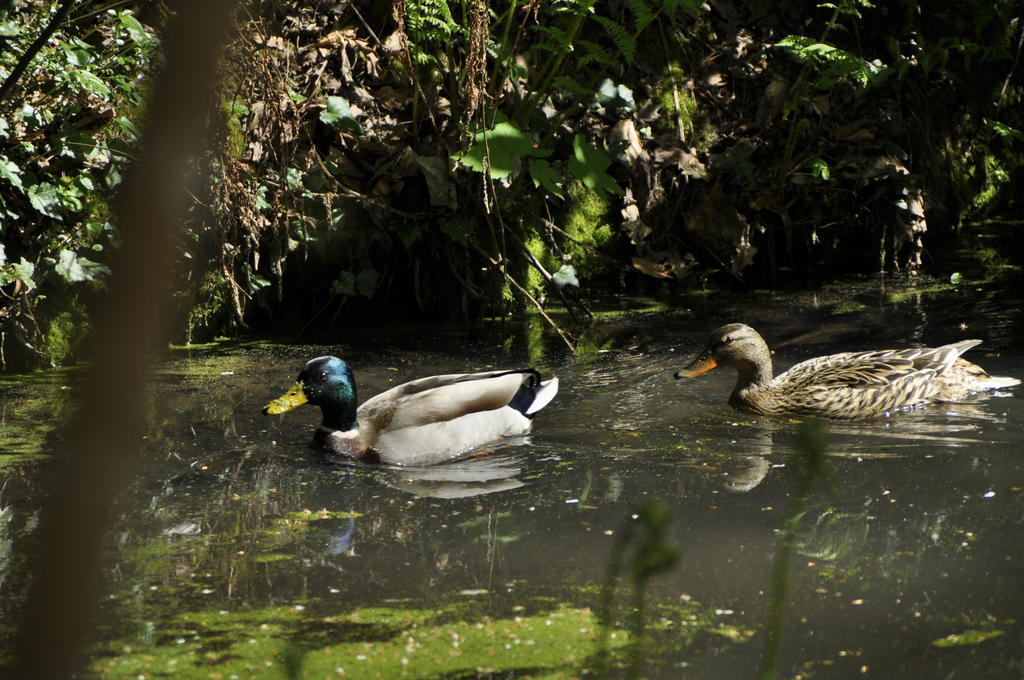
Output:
x=998 y=382
x=533 y=397
x=543 y=396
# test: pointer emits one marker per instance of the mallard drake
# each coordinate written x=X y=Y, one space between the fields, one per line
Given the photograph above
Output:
x=421 y=422
x=847 y=386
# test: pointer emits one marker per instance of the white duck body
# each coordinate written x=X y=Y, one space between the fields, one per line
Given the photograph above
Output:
x=422 y=422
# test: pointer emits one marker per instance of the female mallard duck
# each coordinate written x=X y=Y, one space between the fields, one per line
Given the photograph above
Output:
x=422 y=422
x=848 y=386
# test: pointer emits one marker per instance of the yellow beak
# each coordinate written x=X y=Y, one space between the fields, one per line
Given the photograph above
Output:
x=286 y=402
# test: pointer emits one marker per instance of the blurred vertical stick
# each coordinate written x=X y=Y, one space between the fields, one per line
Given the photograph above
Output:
x=104 y=442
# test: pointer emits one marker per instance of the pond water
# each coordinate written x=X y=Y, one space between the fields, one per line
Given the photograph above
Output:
x=236 y=552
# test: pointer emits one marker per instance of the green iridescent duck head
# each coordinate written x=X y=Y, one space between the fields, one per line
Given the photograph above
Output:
x=326 y=382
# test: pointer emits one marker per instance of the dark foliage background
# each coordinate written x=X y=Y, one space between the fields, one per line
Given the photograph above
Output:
x=450 y=160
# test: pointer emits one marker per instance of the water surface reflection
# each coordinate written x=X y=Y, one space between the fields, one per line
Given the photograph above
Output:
x=911 y=536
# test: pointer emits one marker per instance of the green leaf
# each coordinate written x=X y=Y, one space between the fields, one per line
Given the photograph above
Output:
x=1001 y=129
x=503 y=146
x=293 y=178
x=90 y=83
x=84 y=183
x=261 y=198
x=565 y=276
x=77 y=56
x=588 y=164
x=74 y=143
x=338 y=114
x=95 y=228
x=33 y=116
x=10 y=171
x=611 y=95
x=546 y=176
x=136 y=31
x=253 y=280
x=819 y=168
x=9 y=29
x=25 y=270
x=68 y=267
x=830 y=63
x=127 y=127
x=45 y=198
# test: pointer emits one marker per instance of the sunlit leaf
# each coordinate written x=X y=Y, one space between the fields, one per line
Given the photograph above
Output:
x=45 y=198
x=68 y=267
x=33 y=116
x=293 y=178
x=565 y=276
x=610 y=94
x=136 y=31
x=338 y=114
x=90 y=83
x=502 y=146
x=127 y=127
x=819 y=168
x=25 y=270
x=77 y=57
x=261 y=198
x=10 y=171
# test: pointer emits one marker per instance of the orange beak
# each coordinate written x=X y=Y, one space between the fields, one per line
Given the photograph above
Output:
x=698 y=366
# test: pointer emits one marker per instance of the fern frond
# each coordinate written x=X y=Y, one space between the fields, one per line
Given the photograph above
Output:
x=623 y=40
x=555 y=39
x=643 y=15
x=569 y=6
x=431 y=21
x=573 y=86
x=829 y=63
x=593 y=53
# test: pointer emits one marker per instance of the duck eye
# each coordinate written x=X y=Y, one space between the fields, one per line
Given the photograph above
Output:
x=727 y=340
x=323 y=375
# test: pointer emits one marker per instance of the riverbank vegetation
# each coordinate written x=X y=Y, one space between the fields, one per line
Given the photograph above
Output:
x=460 y=159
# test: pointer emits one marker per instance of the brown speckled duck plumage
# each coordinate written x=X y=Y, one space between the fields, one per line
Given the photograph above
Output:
x=847 y=386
